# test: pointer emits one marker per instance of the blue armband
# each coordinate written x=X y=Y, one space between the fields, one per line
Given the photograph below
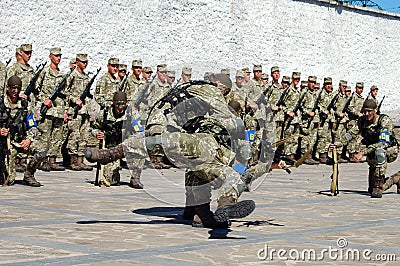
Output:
x=240 y=168
x=251 y=135
x=384 y=136
x=30 y=121
x=137 y=125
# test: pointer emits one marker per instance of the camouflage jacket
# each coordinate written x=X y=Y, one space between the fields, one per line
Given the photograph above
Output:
x=307 y=106
x=79 y=82
x=105 y=88
x=338 y=108
x=24 y=72
x=132 y=86
x=289 y=102
x=355 y=106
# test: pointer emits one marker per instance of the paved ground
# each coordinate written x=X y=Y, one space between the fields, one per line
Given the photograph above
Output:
x=68 y=221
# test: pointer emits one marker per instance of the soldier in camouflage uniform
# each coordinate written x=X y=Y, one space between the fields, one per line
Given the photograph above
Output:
x=354 y=113
x=238 y=88
x=247 y=76
x=264 y=78
x=25 y=72
x=133 y=82
x=381 y=147
x=285 y=82
x=146 y=74
x=107 y=84
x=255 y=86
x=309 y=121
x=16 y=109
x=79 y=126
x=170 y=77
x=186 y=74
x=324 y=136
x=53 y=127
x=373 y=93
x=122 y=68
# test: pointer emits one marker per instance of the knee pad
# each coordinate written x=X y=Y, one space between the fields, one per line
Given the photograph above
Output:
x=40 y=156
x=380 y=155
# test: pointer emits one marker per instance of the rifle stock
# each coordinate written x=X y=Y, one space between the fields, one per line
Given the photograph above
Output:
x=31 y=86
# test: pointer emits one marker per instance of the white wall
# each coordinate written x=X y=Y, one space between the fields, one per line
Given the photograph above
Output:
x=314 y=37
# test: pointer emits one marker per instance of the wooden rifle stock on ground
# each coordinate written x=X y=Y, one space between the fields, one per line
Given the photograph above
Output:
x=102 y=145
x=85 y=93
x=31 y=86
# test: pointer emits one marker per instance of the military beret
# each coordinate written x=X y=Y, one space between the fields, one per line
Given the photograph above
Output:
x=304 y=83
x=374 y=87
x=348 y=88
x=257 y=68
x=274 y=68
x=240 y=73
x=286 y=79
x=55 y=51
x=147 y=69
x=171 y=73
x=120 y=96
x=264 y=76
x=26 y=47
x=360 y=85
x=113 y=61
x=317 y=86
x=137 y=63
x=312 y=79
x=226 y=71
x=224 y=79
x=328 y=80
x=14 y=82
x=122 y=67
x=296 y=75
x=369 y=104
x=235 y=105
x=343 y=83
x=82 y=57
x=162 y=67
x=187 y=70
x=246 y=70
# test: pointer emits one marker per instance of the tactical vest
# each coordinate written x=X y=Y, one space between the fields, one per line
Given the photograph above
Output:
x=16 y=123
x=371 y=134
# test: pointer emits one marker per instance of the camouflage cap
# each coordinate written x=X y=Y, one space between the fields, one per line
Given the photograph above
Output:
x=119 y=96
x=226 y=71
x=257 y=68
x=113 y=61
x=296 y=75
x=14 y=82
x=187 y=70
x=360 y=85
x=374 y=87
x=343 y=83
x=171 y=73
x=312 y=79
x=72 y=61
x=317 y=86
x=304 y=83
x=137 y=63
x=264 y=76
x=274 y=68
x=122 y=67
x=246 y=70
x=162 y=67
x=240 y=73
x=26 y=47
x=286 y=79
x=147 y=69
x=369 y=104
x=328 y=80
x=82 y=57
x=55 y=51
x=348 y=88
x=224 y=79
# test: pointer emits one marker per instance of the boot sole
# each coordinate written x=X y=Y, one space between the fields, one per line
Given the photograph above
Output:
x=239 y=210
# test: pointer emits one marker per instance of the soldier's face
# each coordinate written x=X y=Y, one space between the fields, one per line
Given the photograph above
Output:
x=328 y=87
x=146 y=75
x=275 y=75
x=347 y=93
x=239 y=81
x=186 y=77
x=162 y=75
x=170 y=80
x=359 y=90
x=374 y=93
x=137 y=70
x=257 y=74
x=247 y=77
x=295 y=81
x=369 y=114
x=121 y=73
x=55 y=59
x=311 y=85
x=112 y=69
x=26 y=55
x=342 y=88
x=119 y=107
x=13 y=92
x=81 y=64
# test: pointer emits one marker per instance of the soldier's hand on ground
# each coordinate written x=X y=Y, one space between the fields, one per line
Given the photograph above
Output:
x=48 y=102
x=25 y=144
x=280 y=165
x=4 y=132
x=100 y=135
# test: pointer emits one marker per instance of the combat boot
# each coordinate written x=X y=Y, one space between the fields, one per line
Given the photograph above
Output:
x=378 y=187
x=104 y=156
x=228 y=208
x=310 y=160
x=82 y=165
x=323 y=157
x=45 y=166
x=393 y=179
x=135 y=180
x=53 y=164
x=204 y=218
x=340 y=159
x=74 y=163
x=29 y=179
x=18 y=167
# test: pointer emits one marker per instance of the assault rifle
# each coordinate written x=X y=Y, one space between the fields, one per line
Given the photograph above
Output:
x=122 y=85
x=346 y=106
x=315 y=107
x=380 y=105
x=56 y=92
x=295 y=109
x=31 y=87
x=283 y=95
x=143 y=92
x=5 y=79
x=330 y=106
x=102 y=145
x=85 y=93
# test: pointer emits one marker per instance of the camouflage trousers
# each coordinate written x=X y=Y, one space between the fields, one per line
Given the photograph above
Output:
x=111 y=172
x=79 y=134
x=338 y=134
x=379 y=170
x=323 y=137
x=15 y=152
x=354 y=145
x=291 y=145
x=53 y=132
x=311 y=133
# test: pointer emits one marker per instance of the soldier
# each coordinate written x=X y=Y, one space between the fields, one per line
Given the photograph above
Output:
x=186 y=74
x=79 y=126
x=146 y=74
x=238 y=89
x=170 y=77
x=264 y=78
x=324 y=136
x=354 y=113
x=247 y=76
x=53 y=126
x=373 y=93
x=122 y=68
x=309 y=127
x=255 y=86
x=381 y=147
x=291 y=125
x=304 y=85
x=107 y=84
x=285 y=82
x=274 y=92
x=133 y=82
x=16 y=110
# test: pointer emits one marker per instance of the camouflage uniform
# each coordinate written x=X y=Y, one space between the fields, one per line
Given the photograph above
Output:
x=340 y=124
x=106 y=86
x=274 y=92
x=132 y=87
x=353 y=113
